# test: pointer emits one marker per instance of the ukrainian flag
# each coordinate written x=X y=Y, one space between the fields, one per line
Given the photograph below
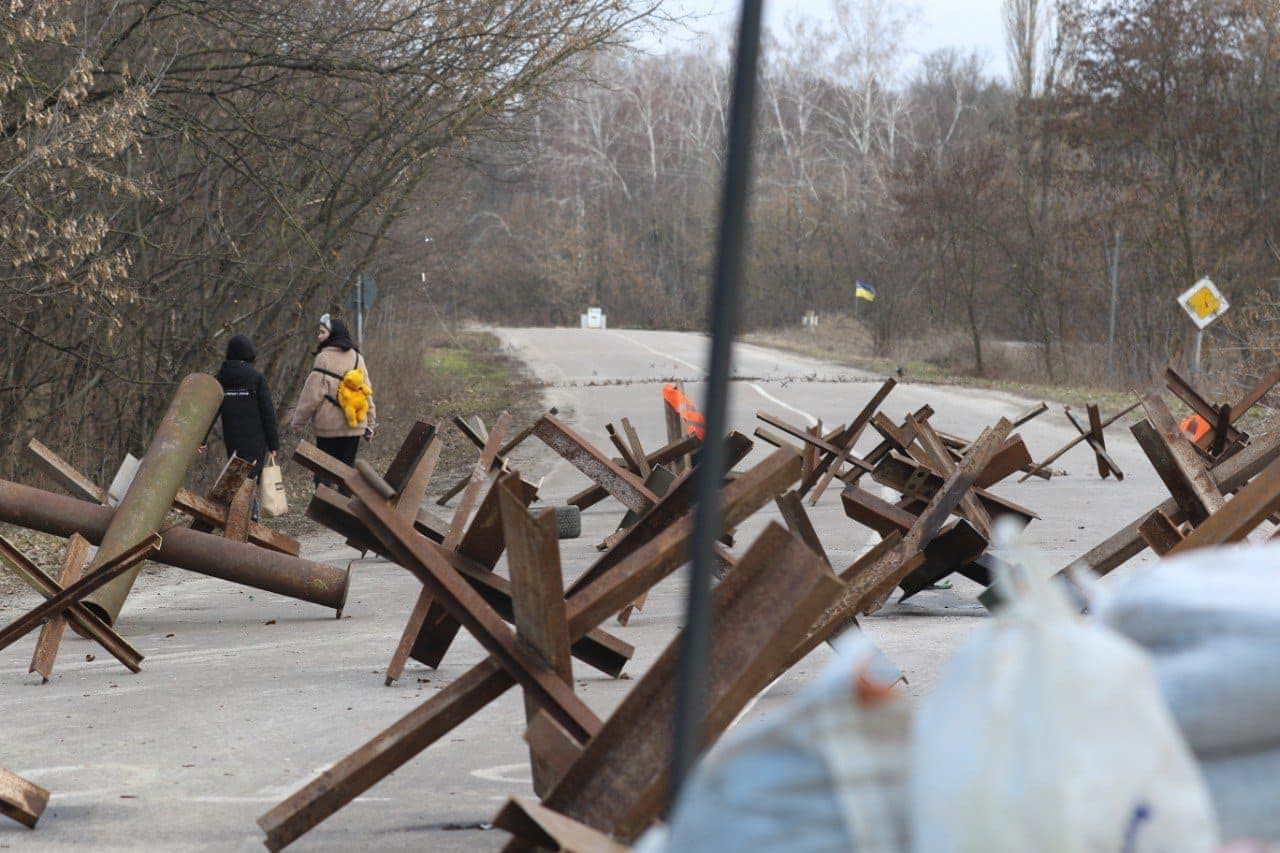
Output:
x=862 y=290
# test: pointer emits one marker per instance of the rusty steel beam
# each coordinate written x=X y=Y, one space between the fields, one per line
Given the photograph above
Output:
x=1230 y=474
x=426 y=610
x=413 y=451
x=1190 y=466
x=1009 y=459
x=872 y=511
x=75 y=558
x=623 y=485
x=597 y=649
x=792 y=510
x=932 y=450
x=955 y=550
x=1160 y=533
x=1184 y=391
x=21 y=800
x=893 y=438
x=485 y=682
x=537 y=596
x=516 y=440
x=868 y=587
x=830 y=465
x=1091 y=437
x=671 y=454
x=85 y=620
x=1252 y=505
x=919 y=482
x=1176 y=461
x=183 y=548
x=468 y=607
x=625 y=453
x=759 y=613
x=330 y=469
x=211 y=515
x=103 y=572
x=1057 y=454
x=837 y=617
x=549 y=830
x=235 y=473
x=675 y=504
x=1252 y=397
x=431 y=629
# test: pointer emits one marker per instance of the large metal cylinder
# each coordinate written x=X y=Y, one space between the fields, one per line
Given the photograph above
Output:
x=161 y=473
x=206 y=553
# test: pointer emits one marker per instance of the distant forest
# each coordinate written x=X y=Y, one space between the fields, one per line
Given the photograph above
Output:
x=174 y=172
x=982 y=202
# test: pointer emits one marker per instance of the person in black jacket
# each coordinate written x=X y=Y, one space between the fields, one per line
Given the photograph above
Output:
x=248 y=414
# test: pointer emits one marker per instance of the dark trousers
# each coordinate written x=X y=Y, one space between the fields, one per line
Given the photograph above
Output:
x=343 y=448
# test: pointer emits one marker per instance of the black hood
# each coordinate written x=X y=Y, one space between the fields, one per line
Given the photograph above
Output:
x=237 y=373
x=240 y=348
x=339 y=336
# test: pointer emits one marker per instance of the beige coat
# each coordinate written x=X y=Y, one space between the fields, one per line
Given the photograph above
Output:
x=326 y=418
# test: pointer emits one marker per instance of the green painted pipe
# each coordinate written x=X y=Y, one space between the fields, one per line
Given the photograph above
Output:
x=161 y=473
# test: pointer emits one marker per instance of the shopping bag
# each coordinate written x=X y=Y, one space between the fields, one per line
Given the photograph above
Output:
x=275 y=502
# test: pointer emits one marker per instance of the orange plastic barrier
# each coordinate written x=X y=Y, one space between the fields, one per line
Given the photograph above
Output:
x=1194 y=427
x=694 y=423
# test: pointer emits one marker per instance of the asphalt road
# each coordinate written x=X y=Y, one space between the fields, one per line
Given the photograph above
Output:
x=244 y=696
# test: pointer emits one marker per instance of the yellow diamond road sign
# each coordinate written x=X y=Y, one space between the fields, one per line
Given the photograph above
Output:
x=1203 y=302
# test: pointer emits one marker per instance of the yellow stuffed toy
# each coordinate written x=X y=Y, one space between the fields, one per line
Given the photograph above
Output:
x=353 y=396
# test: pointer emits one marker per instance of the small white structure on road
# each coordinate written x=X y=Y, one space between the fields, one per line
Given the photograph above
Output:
x=594 y=319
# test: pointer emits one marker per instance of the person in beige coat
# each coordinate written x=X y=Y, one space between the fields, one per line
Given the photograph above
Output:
x=318 y=404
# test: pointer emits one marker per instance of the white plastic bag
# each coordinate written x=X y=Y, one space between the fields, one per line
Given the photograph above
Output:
x=825 y=773
x=275 y=502
x=1049 y=733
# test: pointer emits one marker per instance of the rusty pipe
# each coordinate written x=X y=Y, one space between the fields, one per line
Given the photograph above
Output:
x=161 y=473
x=204 y=553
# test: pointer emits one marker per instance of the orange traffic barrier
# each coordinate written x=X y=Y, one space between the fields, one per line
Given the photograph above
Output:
x=692 y=420
x=1194 y=427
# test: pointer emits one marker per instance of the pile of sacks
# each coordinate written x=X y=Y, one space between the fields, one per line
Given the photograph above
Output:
x=1152 y=726
x=1211 y=622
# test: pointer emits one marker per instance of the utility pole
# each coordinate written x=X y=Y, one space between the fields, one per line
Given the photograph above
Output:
x=360 y=310
x=1111 y=323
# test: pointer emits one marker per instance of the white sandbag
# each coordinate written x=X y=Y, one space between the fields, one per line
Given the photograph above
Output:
x=1049 y=733
x=1202 y=595
x=1224 y=694
x=1246 y=794
x=825 y=773
x=1211 y=621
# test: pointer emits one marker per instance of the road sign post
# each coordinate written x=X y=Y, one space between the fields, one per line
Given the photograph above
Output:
x=1203 y=303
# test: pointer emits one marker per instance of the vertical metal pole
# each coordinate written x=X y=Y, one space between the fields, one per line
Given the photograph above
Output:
x=695 y=640
x=1111 y=323
x=360 y=310
x=1195 y=352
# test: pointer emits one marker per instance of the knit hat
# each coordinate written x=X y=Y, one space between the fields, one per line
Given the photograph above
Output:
x=326 y=321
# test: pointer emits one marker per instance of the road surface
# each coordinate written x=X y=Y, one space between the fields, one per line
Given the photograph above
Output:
x=244 y=696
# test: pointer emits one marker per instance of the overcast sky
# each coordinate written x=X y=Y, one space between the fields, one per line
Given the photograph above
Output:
x=967 y=24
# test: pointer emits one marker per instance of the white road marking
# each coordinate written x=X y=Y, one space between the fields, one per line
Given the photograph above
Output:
x=512 y=774
x=224 y=800
x=659 y=352
x=812 y=421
